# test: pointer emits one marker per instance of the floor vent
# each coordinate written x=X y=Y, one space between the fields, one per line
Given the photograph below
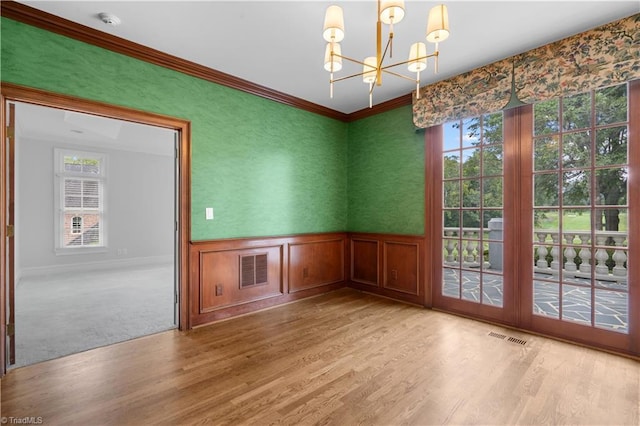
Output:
x=518 y=341
x=510 y=339
x=499 y=336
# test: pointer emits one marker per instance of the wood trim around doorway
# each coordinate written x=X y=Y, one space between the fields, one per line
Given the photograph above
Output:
x=3 y=235
x=12 y=92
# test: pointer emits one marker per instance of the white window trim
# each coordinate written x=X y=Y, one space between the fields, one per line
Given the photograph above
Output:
x=60 y=175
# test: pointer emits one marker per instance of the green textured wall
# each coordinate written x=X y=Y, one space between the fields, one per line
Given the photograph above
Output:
x=386 y=174
x=266 y=168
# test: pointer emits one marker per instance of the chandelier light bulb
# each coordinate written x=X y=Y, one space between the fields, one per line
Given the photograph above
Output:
x=332 y=63
x=392 y=11
x=438 y=24
x=417 y=57
x=369 y=69
x=333 y=24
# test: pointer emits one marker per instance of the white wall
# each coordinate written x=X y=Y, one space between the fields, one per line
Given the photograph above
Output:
x=139 y=208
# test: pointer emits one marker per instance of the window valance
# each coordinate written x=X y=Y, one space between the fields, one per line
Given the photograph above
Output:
x=603 y=56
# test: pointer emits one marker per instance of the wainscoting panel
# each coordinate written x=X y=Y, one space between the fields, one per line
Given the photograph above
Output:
x=315 y=263
x=222 y=273
x=401 y=262
x=238 y=276
x=388 y=265
x=364 y=261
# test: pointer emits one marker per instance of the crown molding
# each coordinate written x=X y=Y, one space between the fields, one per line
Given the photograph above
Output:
x=40 y=19
x=382 y=107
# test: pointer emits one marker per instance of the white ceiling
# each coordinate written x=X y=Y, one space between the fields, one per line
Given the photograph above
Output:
x=72 y=128
x=279 y=44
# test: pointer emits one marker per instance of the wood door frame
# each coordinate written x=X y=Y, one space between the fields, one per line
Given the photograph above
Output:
x=3 y=235
x=17 y=93
x=10 y=240
x=633 y=224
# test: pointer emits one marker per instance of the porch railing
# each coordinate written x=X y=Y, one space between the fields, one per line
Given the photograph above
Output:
x=469 y=250
x=608 y=260
x=576 y=260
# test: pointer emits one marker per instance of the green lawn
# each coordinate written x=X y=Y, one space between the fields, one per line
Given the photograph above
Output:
x=573 y=221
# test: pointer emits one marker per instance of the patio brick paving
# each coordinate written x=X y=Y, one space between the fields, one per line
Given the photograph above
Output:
x=611 y=307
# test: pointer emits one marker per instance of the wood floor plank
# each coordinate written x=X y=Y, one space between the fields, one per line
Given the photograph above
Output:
x=338 y=359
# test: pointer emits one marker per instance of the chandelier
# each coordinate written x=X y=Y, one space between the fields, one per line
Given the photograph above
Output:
x=389 y=12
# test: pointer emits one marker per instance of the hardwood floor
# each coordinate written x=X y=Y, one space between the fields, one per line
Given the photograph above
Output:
x=341 y=358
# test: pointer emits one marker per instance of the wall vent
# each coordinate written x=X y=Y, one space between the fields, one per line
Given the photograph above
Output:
x=253 y=270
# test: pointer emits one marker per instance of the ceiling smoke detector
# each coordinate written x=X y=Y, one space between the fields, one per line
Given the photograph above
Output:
x=109 y=19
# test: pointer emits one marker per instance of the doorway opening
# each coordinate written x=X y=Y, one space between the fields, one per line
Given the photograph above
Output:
x=94 y=231
x=97 y=207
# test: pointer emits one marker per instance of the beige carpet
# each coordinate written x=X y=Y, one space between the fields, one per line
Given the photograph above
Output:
x=62 y=314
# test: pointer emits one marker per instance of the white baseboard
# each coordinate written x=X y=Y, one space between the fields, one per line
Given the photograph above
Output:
x=94 y=266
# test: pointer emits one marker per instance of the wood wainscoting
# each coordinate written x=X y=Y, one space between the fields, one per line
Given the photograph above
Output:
x=237 y=276
x=388 y=265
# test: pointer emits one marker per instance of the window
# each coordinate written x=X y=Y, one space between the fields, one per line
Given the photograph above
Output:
x=80 y=200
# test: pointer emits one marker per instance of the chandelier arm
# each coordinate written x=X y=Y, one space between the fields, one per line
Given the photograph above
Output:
x=360 y=74
x=384 y=54
x=407 y=61
x=350 y=60
x=399 y=75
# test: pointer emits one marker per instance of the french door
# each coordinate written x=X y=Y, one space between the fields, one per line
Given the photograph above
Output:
x=535 y=217
x=580 y=212
x=473 y=218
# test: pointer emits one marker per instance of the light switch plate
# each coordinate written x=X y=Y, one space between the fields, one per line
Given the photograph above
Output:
x=209 y=213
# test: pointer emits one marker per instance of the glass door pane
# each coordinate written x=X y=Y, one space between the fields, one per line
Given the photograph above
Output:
x=472 y=210
x=580 y=210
